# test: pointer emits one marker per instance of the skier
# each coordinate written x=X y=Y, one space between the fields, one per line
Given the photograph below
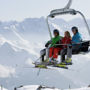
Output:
x=77 y=36
x=54 y=49
x=51 y=44
x=67 y=41
x=75 y=47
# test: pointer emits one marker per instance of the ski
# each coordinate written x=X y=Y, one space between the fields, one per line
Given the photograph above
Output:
x=65 y=67
x=45 y=65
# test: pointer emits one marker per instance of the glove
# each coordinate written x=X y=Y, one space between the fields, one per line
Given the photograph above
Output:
x=70 y=46
x=47 y=44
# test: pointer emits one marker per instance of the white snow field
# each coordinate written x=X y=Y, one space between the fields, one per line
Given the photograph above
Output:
x=38 y=87
x=2 y=88
x=20 y=44
x=35 y=87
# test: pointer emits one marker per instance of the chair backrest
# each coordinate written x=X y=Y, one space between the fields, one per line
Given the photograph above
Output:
x=85 y=46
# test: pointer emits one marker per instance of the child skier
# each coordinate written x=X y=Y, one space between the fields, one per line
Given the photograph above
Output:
x=66 y=40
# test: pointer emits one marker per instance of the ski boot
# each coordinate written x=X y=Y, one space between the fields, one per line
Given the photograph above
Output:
x=52 y=61
x=68 y=61
x=63 y=63
x=47 y=60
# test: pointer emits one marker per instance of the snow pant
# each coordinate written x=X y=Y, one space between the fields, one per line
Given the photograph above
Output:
x=68 y=51
x=53 y=52
x=43 y=53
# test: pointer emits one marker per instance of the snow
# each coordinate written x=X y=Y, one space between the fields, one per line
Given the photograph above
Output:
x=35 y=87
x=20 y=44
x=84 y=88
x=6 y=71
x=2 y=88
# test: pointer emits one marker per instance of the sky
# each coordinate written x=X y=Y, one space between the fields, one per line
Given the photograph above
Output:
x=21 y=9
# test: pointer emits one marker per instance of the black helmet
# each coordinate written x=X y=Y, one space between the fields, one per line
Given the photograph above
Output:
x=75 y=28
x=56 y=31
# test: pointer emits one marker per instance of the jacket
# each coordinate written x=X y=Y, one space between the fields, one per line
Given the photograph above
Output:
x=53 y=41
x=76 y=38
x=66 y=40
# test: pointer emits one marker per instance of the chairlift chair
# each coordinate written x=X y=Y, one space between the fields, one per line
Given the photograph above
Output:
x=65 y=11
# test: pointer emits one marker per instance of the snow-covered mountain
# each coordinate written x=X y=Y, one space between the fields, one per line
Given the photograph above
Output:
x=38 y=87
x=20 y=43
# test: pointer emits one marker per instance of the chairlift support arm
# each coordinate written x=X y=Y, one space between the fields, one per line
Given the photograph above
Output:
x=63 y=11
x=58 y=12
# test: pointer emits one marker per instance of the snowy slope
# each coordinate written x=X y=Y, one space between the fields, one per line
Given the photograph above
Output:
x=84 y=88
x=35 y=87
x=10 y=55
x=20 y=43
x=2 y=88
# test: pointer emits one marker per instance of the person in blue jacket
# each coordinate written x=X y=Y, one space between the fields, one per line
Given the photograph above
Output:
x=77 y=36
x=75 y=47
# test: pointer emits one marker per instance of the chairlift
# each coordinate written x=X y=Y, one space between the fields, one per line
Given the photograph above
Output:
x=84 y=44
x=65 y=11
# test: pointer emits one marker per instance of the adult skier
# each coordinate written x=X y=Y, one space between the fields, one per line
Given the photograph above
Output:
x=75 y=47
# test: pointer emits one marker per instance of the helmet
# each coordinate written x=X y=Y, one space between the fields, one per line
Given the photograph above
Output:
x=75 y=28
x=56 y=31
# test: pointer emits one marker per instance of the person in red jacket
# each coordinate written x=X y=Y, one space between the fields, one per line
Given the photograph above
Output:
x=65 y=41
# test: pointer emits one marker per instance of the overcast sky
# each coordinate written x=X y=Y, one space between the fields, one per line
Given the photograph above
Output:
x=20 y=9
